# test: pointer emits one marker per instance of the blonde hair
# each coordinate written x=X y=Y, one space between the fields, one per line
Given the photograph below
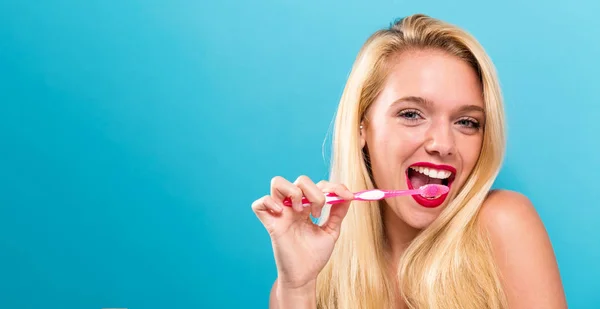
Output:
x=450 y=263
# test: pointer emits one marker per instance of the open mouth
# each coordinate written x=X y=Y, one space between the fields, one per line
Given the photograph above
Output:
x=422 y=173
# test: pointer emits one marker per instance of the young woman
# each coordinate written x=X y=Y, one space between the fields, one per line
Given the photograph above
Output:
x=421 y=105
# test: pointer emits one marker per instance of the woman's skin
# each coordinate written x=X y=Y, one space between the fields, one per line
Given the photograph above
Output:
x=431 y=110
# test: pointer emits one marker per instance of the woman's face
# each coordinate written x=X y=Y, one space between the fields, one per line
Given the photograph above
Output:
x=426 y=126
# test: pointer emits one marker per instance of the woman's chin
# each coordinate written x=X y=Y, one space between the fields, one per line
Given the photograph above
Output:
x=415 y=215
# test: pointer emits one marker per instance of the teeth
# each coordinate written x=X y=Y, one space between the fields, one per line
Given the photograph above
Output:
x=433 y=173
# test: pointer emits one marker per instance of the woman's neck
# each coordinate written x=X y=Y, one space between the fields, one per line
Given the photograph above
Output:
x=398 y=234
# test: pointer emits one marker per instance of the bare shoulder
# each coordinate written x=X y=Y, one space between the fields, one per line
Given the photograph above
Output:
x=522 y=250
x=505 y=210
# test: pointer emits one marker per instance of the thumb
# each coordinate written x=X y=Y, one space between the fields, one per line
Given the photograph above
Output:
x=267 y=210
x=337 y=214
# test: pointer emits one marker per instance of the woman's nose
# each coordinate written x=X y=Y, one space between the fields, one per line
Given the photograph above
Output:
x=440 y=141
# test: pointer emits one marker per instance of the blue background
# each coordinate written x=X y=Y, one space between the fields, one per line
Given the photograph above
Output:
x=134 y=136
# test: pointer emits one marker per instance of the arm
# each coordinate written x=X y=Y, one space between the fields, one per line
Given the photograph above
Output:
x=299 y=298
x=523 y=252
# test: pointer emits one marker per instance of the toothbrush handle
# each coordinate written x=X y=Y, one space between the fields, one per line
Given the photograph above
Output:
x=330 y=198
x=395 y=193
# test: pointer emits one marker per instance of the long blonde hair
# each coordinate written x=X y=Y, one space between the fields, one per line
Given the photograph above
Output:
x=449 y=264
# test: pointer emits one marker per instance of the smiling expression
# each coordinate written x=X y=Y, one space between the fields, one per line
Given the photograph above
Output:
x=426 y=126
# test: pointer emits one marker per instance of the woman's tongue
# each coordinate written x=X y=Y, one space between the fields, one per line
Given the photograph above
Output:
x=417 y=179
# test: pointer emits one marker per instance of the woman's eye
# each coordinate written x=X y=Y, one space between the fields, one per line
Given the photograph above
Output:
x=410 y=114
x=469 y=123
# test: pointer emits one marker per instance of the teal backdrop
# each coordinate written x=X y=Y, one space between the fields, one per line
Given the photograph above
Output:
x=134 y=135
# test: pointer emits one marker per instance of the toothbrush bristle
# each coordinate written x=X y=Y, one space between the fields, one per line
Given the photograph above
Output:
x=433 y=190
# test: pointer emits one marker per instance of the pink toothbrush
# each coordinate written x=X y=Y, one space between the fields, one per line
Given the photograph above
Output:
x=429 y=190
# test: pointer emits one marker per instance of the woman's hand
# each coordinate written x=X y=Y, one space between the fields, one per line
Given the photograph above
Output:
x=301 y=248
